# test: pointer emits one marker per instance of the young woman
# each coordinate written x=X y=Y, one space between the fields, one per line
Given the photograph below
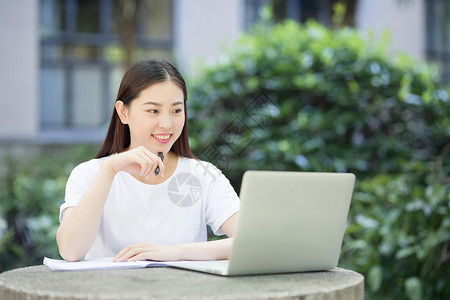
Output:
x=132 y=204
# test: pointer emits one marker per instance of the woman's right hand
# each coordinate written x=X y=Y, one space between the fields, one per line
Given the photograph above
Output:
x=80 y=224
x=138 y=161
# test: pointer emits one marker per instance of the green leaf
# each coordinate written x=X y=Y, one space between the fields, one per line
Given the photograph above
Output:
x=374 y=278
x=413 y=288
x=405 y=252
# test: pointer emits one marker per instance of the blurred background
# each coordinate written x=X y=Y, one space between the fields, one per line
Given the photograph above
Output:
x=344 y=85
x=64 y=59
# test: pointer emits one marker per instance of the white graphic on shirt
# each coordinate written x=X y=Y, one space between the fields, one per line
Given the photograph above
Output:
x=184 y=190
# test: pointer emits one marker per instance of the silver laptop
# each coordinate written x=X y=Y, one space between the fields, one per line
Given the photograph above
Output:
x=288 y=222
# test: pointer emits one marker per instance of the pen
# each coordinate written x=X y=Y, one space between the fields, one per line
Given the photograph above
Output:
x=161 y=155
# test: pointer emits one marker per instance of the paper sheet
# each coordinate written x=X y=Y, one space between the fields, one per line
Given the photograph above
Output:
x=96 y=264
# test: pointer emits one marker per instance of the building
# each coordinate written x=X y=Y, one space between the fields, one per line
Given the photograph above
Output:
x=62 y=60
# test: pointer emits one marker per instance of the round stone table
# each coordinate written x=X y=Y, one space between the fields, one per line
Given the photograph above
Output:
x=39 y=282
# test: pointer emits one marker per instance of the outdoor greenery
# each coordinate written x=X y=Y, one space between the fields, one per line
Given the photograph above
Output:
x=298 y=97
x=293 y=97
x=31 y=190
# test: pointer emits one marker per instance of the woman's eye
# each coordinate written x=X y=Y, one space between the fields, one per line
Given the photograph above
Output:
x=153 y=111
x=177 y=111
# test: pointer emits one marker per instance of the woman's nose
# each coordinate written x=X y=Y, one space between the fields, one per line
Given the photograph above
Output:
x=165 y=121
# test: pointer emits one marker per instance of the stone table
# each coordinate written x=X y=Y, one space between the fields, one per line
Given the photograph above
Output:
x=39 y=282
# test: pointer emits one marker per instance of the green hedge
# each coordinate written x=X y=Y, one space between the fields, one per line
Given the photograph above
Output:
x=304 y=97
x=32 y=184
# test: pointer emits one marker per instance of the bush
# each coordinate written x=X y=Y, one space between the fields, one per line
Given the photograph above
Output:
x=399 y=236
x=31 y=191
x=293 y=97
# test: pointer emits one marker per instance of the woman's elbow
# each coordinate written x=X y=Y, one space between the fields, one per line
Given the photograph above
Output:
x=67 y=252
x=70 y=255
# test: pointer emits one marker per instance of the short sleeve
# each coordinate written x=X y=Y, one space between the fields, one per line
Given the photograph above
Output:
x=222 y=201
x=78 y=183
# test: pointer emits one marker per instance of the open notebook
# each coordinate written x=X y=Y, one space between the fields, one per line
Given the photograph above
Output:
x=288 y=222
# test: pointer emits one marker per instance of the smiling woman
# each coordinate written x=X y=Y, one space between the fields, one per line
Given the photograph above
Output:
x=158 y=111
x=117 y=205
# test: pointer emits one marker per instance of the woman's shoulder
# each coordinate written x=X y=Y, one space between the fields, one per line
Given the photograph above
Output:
x=90 y=166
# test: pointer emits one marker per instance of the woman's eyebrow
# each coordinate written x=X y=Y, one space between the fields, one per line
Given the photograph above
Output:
x=151 y=103
x=159 y=104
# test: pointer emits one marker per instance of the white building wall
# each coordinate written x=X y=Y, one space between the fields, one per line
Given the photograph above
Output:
x=202 y=28
x=405 y=21
x=19 y=55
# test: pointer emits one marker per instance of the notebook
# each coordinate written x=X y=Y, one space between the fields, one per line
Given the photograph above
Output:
x=288 y=222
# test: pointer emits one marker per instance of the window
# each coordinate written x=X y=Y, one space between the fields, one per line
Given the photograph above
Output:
x=85 y=47
x=300 y=10
x=438 y=35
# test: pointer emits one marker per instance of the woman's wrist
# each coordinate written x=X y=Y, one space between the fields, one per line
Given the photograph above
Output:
x=212 y=250
x=107 y=169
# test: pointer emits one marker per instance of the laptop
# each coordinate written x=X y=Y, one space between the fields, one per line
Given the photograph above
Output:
x=288 y=222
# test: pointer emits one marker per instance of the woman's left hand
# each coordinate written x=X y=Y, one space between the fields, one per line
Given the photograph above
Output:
x=148 y=251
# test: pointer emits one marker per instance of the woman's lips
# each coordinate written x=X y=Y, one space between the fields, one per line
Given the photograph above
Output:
x=162 y=138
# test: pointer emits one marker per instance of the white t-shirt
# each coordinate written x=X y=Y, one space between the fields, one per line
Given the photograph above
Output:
x=175 y=211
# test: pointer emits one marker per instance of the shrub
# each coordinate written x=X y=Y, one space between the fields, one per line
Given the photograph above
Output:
x=399 y=236
x=303 y=97
x=31 y=191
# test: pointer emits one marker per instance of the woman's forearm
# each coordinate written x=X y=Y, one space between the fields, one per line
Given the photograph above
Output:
x=212 y=250
x=80 y=224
